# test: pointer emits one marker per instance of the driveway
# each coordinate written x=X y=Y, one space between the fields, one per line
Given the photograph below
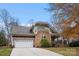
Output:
x=32 y=52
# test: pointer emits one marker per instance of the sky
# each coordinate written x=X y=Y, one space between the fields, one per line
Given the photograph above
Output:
x=28 y=11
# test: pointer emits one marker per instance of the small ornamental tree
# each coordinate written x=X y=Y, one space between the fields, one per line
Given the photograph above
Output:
x=44 y=42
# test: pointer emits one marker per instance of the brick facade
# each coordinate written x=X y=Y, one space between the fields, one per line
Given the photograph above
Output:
x=39 y=36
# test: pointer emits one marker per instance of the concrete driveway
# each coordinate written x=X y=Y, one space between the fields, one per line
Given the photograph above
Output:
x=32 y=52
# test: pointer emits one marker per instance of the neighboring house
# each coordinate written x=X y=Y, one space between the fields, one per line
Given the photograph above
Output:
x=31 y=36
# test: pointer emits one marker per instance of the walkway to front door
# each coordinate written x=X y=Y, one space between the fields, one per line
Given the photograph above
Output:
x=32 y=52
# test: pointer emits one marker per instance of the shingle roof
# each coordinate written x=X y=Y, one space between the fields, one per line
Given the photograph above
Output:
x=21 y=30
x=41 y=24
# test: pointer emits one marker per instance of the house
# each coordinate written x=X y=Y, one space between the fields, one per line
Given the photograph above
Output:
x=31 y=36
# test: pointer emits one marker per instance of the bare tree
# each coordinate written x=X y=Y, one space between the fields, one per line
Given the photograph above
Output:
x=8 y=22
x=4 y=14
x=14 y=21
x=57 y=15
x=60 y=12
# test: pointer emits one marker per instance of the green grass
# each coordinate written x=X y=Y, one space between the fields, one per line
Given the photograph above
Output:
x=5 y=51
x=66 y=51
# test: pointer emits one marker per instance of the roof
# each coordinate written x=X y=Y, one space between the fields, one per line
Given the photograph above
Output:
x=46 y=24
x=22 y=31
x=41 y=24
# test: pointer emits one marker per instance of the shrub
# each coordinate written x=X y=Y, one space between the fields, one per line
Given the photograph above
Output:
x=44 y=42
x=74 y=44
x=3 y=41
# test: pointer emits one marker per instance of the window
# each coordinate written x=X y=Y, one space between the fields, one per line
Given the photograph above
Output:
x=43 y=36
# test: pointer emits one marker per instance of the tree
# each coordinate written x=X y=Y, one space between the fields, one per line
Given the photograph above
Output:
x=63 y=14
x=3 y=41
x=66 y=17
x=14 y=21
x=5 y=18
x=9 y=21
x=57 y=16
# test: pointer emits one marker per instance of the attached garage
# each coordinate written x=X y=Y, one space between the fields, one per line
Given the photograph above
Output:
x=22 y=37
x=20 y=42
x=24 y=43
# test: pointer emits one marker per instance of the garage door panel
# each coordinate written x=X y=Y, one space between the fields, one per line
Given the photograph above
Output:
x=23 y=43
x=20 y=44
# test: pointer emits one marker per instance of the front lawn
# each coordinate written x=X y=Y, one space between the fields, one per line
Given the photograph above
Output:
x=66 y=51
x=5 y=51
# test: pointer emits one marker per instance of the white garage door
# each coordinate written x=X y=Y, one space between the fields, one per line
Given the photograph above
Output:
x=24 y=43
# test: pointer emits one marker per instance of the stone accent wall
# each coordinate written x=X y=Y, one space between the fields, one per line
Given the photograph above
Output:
x=39 y=36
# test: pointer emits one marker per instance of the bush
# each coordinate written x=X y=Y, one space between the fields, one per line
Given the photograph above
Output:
x=74 y=44
x=3 y=41
x=44 y=43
